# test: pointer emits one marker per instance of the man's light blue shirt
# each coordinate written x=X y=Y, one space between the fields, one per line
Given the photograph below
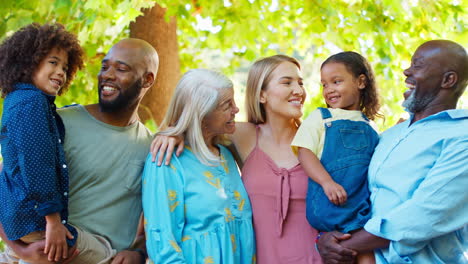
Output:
x=418 y=177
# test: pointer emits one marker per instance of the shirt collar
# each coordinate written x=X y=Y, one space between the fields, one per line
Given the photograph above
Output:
x=451 y=113
x=31 y=87
x=457 y=113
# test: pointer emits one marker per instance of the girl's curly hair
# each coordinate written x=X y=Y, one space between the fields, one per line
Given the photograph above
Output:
x=356 y=64
x=21 y=54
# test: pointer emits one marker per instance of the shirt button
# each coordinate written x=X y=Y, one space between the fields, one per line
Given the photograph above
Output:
x=65 y=193
x=64 y=221
x=35 y=206
x=60 y=141
x=64 y=166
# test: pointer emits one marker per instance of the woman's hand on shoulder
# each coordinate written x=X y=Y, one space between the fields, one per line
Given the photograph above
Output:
x=165 y=145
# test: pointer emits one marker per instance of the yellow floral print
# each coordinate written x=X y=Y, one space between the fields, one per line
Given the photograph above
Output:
x=241 y=205
x=228 y=217
x=224 y=164
x=172 y=196
x=238 y=197
x=173 y=206
x=215 y=182
x=175 y=246
x=208 y=260
x=233 y=241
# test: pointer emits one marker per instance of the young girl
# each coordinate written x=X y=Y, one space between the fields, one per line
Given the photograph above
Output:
x=336 y=144
x=37 y=63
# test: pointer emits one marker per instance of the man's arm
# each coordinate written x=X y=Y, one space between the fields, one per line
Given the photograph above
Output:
x=32 y=253
x=363 y=241
x=137 y=253
x=336 y=247
x=133 y=256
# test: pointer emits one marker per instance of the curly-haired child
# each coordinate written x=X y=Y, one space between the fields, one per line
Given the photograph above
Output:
x=336 y=144
x=36 y=64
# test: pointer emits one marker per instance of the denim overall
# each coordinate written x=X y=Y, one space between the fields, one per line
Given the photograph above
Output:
x=347 y=151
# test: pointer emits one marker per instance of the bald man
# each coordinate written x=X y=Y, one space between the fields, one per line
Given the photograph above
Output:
x=418 y=175
x=106 y=146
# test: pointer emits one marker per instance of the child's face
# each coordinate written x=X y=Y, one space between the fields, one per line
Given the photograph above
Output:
x=340 y=87
x=51 y=73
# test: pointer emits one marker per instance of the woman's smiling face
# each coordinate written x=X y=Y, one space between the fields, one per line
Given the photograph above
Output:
x=284 y=94
x=221 y=120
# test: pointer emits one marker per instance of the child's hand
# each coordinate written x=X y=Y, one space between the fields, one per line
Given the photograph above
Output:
x=56 y=243
x=335 y=192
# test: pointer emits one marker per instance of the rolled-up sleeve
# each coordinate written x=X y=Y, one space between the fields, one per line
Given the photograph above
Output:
x=163 y=206
x=438 y=206
x=36 y=155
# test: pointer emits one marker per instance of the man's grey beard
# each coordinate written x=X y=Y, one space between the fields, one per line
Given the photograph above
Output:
x=407 y=103
x=415 y=105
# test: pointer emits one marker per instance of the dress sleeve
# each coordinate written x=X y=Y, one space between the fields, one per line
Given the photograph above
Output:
x=30 y=133
x=163 y=207
x=309 y=133
x=437 y=207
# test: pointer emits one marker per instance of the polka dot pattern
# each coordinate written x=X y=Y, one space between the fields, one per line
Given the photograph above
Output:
x=34 y=180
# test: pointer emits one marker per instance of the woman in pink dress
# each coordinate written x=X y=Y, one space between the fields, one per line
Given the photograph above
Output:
x=274 y=179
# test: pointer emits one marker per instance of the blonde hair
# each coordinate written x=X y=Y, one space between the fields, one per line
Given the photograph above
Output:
x=196 y=95
x=257 y=81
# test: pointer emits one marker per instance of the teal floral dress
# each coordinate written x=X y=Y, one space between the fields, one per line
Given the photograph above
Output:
x=196 y=213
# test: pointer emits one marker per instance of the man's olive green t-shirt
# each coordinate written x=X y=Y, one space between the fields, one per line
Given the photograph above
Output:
x=105 y=166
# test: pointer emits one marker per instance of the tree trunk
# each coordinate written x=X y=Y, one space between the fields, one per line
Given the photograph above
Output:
x=153 y=28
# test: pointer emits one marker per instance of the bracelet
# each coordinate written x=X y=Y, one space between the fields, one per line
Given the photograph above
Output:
x=318 y=237
x=141 y=252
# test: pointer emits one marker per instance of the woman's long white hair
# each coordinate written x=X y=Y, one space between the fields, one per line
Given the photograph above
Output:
x=195 y=96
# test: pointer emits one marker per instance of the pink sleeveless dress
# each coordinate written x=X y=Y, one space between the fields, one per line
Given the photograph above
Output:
x=277 y=195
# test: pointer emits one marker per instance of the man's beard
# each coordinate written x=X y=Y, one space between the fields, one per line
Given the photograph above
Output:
x=416 y=105
x=125 y=99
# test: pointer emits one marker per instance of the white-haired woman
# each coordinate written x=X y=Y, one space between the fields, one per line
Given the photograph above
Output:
x=197 y=210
